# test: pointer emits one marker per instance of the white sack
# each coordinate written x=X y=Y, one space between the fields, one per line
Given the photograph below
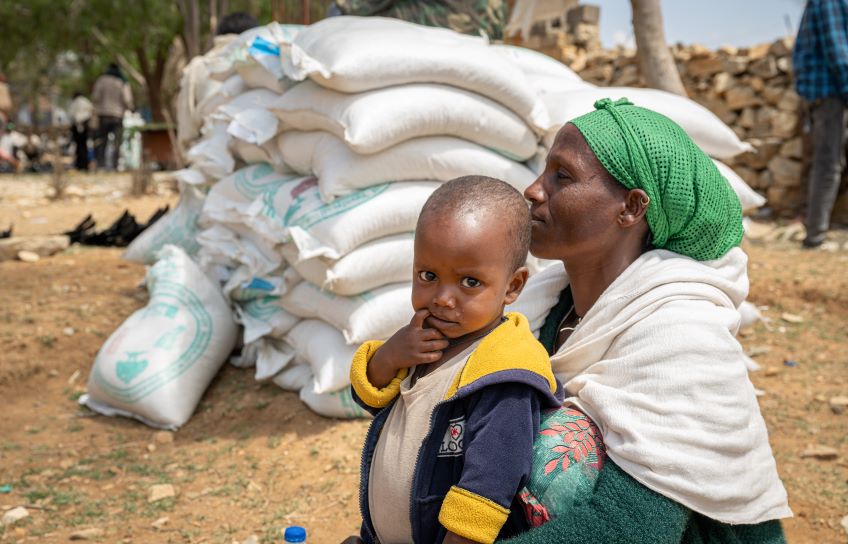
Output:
x=219 y=248
x=264 y=317
x=295 y=214
x=157 y=364
x=231 y=88
x=252 y=99
x=375 y=120
x=749 y=198
x=294 y=377
x=254 y=126
x=177 y=227
x=242 y=285
x=248 y=117
x=340 y=171
x=246 y=356
x=190 y=176
x=211 y=154
x=355 y=54
x=234 y=245
x=229 y=199
x=223 y=65
x=545 y=74
x=707 y=130
x=262 y=64
x=324 y=349
x=383 y=261
x=338 y=404
x=272 y=357
x=201 y=94
x=252 y=154
x=374 y=315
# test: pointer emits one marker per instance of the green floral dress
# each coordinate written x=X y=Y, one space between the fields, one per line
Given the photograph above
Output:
x=568 y=454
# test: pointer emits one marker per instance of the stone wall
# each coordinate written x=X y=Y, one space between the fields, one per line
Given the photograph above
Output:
x=751 y=90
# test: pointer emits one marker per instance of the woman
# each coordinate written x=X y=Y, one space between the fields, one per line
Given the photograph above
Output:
x=81 y=111
x=643 y=336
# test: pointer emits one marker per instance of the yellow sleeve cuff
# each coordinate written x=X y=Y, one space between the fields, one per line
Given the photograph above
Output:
x=370 y=395
x=471 y=516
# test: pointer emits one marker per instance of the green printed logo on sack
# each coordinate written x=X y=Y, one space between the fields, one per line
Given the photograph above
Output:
x=263 y=308
x=346 y=406
x=245 y=180
x=180 y=230
x=144 y=364
x=260 y=180
x=307 y=209
x=300 y=187
x=351 y=409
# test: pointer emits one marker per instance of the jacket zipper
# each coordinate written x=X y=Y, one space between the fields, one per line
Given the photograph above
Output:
x=415 y=473
x=364 y=489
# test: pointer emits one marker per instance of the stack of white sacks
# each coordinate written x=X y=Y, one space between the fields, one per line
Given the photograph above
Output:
x=317 y=149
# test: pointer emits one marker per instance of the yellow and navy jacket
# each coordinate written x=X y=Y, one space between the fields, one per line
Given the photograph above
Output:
x=478 y=452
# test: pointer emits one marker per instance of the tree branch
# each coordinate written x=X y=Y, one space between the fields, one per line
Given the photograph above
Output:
x=125 y=64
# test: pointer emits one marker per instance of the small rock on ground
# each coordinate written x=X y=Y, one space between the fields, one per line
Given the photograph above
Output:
x=87 y=534
x=791 y=318
x=14 y=515
x=822 y=453
x=839 y=404
x=161 y=491
x=28 y=256
x=163 y=437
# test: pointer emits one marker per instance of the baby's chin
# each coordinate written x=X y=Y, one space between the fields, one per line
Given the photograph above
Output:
x=449 y=329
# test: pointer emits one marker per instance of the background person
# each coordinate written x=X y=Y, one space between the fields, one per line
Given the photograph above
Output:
x=112 y=97
x=80 y=111
x=820 y=64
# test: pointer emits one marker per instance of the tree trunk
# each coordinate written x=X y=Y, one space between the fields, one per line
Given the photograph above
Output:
x=277 y=10
x=655 y=60
x=213 y=17
x=190 y=11
x=154 y=77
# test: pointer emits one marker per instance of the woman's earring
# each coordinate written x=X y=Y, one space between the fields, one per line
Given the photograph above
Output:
x=645 y=200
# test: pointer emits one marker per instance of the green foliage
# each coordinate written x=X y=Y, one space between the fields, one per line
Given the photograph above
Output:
x=53 y=47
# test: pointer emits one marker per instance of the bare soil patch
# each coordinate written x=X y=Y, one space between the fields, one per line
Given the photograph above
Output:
x=253 y=459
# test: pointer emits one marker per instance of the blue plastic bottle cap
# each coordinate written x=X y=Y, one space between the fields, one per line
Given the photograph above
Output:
x=295 y=534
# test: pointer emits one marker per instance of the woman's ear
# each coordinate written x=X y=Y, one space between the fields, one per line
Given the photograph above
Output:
x=516 y=285
x=636 y=203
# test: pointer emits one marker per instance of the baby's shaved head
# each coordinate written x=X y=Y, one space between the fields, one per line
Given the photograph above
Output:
x=482 y=196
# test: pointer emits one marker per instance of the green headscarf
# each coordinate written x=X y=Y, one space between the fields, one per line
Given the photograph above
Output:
x=693 y=210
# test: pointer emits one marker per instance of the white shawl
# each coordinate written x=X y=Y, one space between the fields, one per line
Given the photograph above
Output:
x=655 y=363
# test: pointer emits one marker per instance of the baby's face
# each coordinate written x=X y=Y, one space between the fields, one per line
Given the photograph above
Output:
x=462 y=272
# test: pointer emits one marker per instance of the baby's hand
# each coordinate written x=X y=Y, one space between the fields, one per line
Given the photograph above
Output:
x=410 y=346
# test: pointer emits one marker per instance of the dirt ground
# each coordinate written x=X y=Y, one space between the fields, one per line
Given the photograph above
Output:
x=254 y=460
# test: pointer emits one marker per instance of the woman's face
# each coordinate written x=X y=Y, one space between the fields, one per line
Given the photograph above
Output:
x=575 y=202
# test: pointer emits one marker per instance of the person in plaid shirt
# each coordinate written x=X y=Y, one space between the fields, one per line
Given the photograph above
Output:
x=821 y=77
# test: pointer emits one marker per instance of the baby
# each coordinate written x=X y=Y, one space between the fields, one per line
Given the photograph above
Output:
x=456 y=394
